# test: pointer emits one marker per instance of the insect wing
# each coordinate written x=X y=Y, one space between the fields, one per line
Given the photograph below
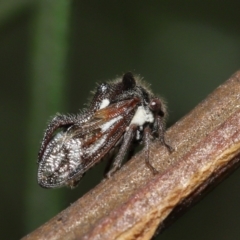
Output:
x=72 y=152
x=103 y=132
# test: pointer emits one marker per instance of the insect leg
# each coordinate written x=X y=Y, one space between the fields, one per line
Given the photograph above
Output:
x=146 y=140
x=110 y=160
x=127 y=140
x=161 y=132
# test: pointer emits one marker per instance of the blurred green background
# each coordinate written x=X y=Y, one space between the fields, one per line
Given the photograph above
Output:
x=52 y=52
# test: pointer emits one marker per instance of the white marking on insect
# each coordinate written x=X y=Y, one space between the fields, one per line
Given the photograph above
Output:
x=138 y=136
x=56 y=158
x=105 y=102
x=103 y=88
x=99 y=143
x=108 y=124
x=142 y=116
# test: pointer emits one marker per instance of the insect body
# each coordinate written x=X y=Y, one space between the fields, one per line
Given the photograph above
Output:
x=121 y=113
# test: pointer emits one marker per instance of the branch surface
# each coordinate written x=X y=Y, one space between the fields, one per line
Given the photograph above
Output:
x=134 y=204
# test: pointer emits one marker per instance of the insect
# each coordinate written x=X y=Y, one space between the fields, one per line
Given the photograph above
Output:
x=122 y=113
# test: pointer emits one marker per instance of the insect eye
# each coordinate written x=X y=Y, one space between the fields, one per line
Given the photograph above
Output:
x=128 y=81
x=156 y=106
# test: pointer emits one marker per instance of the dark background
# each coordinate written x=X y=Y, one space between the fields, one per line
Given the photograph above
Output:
x=52 y=53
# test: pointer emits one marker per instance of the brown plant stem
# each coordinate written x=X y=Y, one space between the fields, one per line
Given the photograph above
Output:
x=133 y=204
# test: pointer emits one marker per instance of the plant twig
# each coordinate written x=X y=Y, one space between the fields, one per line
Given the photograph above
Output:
x=134 y=203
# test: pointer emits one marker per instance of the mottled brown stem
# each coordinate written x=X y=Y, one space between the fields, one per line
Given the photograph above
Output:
x=134 y=203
